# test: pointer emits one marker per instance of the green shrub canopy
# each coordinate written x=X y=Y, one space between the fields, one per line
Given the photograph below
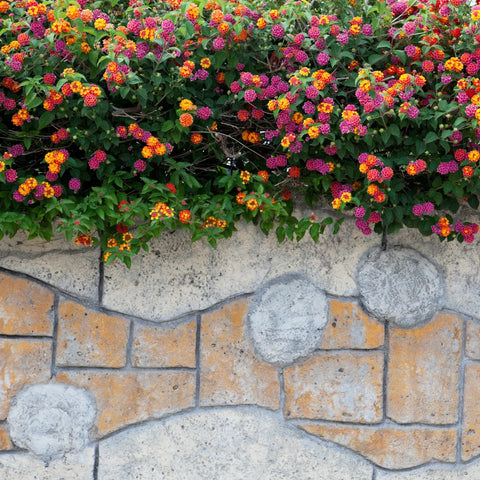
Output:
x=118 y=121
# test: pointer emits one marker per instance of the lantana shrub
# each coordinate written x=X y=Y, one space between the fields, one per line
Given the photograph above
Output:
x=119 y=120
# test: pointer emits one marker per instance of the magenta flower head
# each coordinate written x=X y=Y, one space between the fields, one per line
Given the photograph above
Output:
x=278 y=31
x=74 y=184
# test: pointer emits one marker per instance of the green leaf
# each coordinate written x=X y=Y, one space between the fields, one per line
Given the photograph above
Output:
x=473 y=201
x=430 y=137
x=167 y=126
x=45 y=119
x=315 y=231
x=384 y=44
x=280 y=232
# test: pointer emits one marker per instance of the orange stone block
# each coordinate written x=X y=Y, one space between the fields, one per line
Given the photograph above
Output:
x=5 y=443
x=22 y=362
x=164 y=345
x=472 y=343
x=26 y=308
x=123 y=398
x=423 y=372
x=87 y=338
x=345 y=387
x=231 y=373
x=392 y=448
x=349 y=327
x=471 y=413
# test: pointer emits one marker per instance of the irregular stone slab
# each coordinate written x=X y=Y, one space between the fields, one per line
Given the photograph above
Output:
x=225 y=444
x=22 y=362
x=164 y=346
x=23 y=466
x=349 y=327
x=472 y=341
x=344 y=387
x=286 y=319
x=87 y=338
x=230 y=372
x=424 y=371
x=400 y=285
x=437 y=472
x=123 y=398
x=392 y=448
x=52 y=263
x=240 y=264
x=51 y=420
x=26 y=308
x=471 y=413
x=5 y=442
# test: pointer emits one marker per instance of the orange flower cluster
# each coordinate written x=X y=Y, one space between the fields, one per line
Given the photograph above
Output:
x=161 y=211
x=212 y=222
x=55 y=159
x=20 y=117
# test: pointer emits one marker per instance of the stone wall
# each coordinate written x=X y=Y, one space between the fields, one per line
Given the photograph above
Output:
x=329 y=361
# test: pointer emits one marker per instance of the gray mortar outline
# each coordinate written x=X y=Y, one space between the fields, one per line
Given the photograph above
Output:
x=88 y=303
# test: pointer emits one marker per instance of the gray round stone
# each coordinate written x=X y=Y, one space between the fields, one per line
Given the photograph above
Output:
x=286 y=319
x=51 y=420
x=400 y=285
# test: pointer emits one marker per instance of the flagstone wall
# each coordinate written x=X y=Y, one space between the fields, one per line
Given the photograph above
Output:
x=337 y=360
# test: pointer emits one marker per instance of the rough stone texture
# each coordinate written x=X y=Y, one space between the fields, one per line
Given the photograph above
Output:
x=123 y=398
x=90 y=339
x=349 y=327
x=5 y=442
x=225 y=444
x=345 y=387
x=239 y=265
x=165 y=345
x=472 y=342
x=230 y=372
x=52 y=262
x=51 y=420
x=22 y=362
x=286 y=319
x=437 y=472
x=392 y=448
x=23 y=466
x=400 y=285
x=423 y=372
x=459 y=263
x=471 y=413
x=189 y=277
x=26 y=308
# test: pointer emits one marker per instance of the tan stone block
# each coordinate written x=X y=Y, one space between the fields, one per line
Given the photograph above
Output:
x=231 y=373
x=471 y=413
x=5 y=443
x=472 y=343
x=87 y=338
x=123 y=398
x=423 y=372
x=22 y=362
x=346 y=387
x=164 y=345
x=349 y=327
x=26 y=308
x=392 y=448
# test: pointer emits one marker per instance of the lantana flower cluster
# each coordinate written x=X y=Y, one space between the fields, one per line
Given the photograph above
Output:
x=121 y=120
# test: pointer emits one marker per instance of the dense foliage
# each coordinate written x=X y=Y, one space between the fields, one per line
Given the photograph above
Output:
x=119 y=121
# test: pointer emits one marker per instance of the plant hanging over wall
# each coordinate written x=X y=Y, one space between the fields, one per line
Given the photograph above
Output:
x=120 y=120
